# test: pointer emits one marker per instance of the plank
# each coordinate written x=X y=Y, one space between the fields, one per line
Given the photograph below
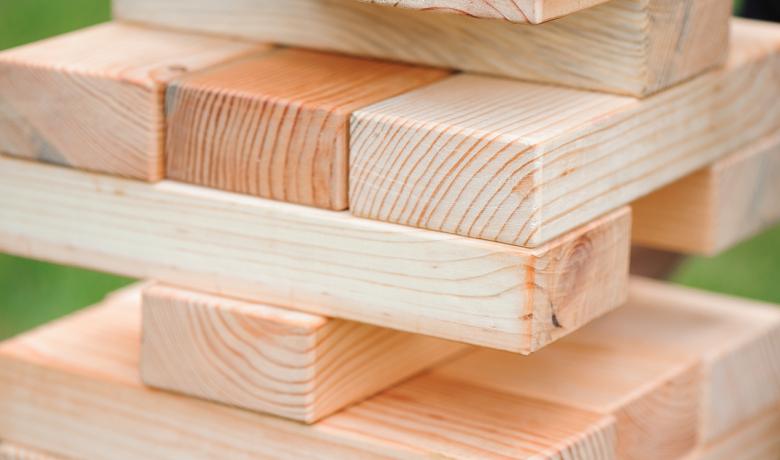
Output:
x=672 y=366
x=87 y=364
x=755 y=440
x=522 y=163
x=324 y=262
x=269 y=359
x=101 y=111
x=520 y=11
x=634 y=47
x=10 y=451
x=716 y=207
x=276 y=125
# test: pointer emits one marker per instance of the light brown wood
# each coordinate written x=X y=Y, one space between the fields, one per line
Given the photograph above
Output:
x=674 y=366
x=10 y=451
x=520 y=11
x=325 y=262
x=93 y=99
x=634 y=47
x=758 y=439
x=276 y=125
x=72 y=387
x=715 y=208
x=264 y=358
x=522 y=163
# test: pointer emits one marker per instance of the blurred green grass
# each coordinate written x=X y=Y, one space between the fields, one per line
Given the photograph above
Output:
x=32 y=293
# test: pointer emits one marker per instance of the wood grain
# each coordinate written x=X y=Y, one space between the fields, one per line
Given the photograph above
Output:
x=521 y=163
x=72 y=387
x=520 y=11
x=324 y=262
x=276 y=125
x=756 y=440
x=100 y=110
x=10 y=451
x=265 y=358
x=674 y=366
x=634 y=47
x=716 y=207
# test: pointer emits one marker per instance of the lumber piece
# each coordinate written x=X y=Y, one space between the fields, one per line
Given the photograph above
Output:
x=758 y=439
x=87 y=364
x=100 y=110
x=276 y=125
x=716 y=207
x=324 y=262
x=634 y=47
x=269 y=359
x=520 y=11
x=673 y=366
x=10 y=451
x=522 y=163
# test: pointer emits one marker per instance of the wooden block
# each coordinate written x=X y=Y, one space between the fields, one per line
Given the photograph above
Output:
x=276 y=125
x=522 y=163
x=634 y=47
x=325 y=262
x=673 y=366
x=755 y=440
x=14 y=452
x=93 y=99
x=264 y=358
x=72 y=388
x=520 y=11
x=715 y=208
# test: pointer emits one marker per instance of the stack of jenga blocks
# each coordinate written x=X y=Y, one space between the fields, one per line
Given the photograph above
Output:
x=393 y=229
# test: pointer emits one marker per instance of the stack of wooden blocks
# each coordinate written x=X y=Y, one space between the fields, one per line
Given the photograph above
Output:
x=393 y=229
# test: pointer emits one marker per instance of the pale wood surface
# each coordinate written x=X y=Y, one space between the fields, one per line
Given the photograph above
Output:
x=72 y=387
x=276 y=125
x=715 y=208
x=269 y=359
x=325 y=262
x=10 y=451
x=522 y=163
x=758 y=439
x=624 y=46
x=674 y=366
x=520 y=11
x=93 y=99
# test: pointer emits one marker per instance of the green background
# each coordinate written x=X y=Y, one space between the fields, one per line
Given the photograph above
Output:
x=32 y=293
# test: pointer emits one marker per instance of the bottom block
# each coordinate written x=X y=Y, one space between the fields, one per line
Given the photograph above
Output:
x=715 y=208
x=758 y=439
x=293 y=364
x=72 y=387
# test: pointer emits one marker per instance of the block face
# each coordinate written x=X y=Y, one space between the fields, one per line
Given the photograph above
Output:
x=320 y=261
x=624 y=39
x=521 y=163
x=276 y=125
x=102 y=111
x=520 y=11
x=87 y=364
x=268 y=359
x=715 y=208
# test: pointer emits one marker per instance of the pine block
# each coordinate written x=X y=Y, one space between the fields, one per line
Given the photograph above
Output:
x=522 y=163
x=93 y=99
x=674 y=366
x=758 y=439
x=520 y=11
x=264 y=358
x=633 y=47
x=73 y=388
x=276 y=125
x=716 y=207
x=324 y=262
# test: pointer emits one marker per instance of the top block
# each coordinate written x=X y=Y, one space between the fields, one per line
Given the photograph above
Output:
x=521 y=11
x=93 y=99
x=632 y=47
